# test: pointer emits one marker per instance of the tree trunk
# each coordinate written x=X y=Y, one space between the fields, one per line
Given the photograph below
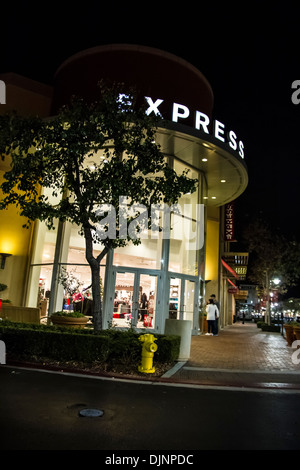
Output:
x=95 y=272
x=97 y=307
x=268 y=306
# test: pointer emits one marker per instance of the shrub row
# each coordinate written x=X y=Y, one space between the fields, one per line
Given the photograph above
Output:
x=265 y=327
x=66 y=344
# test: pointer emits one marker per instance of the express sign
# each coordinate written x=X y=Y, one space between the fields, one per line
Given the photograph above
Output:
x=201 y=123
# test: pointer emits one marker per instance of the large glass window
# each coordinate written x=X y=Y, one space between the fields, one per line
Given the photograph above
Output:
x=147 y=255
x=189 y=300
x=181 y=299
x=185 y=238
x=71 y=262
x=44 y=242
x=137 y=268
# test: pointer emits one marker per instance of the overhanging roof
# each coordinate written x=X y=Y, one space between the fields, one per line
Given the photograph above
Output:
x=229 y=269
x=192 y=146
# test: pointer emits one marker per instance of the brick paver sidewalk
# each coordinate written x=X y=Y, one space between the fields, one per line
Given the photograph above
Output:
x=244 y=347
x=242 y=355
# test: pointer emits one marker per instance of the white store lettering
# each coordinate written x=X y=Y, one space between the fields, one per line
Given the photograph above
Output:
x=202 y=121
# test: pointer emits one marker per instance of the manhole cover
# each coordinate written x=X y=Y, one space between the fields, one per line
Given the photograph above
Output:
x=90 y=413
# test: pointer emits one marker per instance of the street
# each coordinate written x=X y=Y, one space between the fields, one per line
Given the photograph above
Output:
x=40 y=410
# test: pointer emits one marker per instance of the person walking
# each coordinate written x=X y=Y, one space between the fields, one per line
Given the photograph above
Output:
x=213 y=297
x=212 y=314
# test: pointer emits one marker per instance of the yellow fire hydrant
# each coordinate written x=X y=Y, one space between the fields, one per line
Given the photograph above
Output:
x=148 y=350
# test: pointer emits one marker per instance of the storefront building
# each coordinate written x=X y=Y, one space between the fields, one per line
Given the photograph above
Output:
x=161 y=278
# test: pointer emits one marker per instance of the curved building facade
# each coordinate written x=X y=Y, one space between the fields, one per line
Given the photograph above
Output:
x=161 y=278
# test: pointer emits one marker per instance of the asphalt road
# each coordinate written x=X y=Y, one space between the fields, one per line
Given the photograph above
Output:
x=41 y=411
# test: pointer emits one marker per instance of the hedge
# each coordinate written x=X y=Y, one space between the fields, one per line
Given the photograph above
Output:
x=59 y=343
x=266 y=327
x=272 y=328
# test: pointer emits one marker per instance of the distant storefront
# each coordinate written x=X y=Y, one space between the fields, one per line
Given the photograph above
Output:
x=161 y=278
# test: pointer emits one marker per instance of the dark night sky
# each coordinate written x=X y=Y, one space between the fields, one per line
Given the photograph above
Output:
x=250 y=56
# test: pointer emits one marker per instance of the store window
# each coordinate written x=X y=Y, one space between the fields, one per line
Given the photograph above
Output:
x=40 y=273
x=182 y=298
x=189 y=300
x=77 y=292
x=146 y=255
x=71 y=263
x=185 y=236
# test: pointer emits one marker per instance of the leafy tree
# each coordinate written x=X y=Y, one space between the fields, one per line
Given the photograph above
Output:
x=271 y=256
x=292 y=304
x=90 y=155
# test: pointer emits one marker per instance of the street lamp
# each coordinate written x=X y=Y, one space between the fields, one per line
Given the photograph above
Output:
x=276 y=282
x=269 y=282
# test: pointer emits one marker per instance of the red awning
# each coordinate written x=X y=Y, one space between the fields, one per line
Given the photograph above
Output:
x=229 y=269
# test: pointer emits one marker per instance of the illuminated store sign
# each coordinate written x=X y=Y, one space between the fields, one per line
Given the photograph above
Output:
x=229 y=222
x=201 y=123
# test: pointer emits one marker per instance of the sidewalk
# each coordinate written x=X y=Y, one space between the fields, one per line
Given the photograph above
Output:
x=241 y=355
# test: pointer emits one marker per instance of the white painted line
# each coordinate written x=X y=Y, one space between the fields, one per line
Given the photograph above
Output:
x=174 y=369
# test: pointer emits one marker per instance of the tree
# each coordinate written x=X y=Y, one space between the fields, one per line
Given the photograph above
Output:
x=271 y=256
x=91 y=155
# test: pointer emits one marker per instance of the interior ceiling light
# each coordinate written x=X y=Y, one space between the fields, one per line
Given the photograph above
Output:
x=204 y=159
x=223 y=181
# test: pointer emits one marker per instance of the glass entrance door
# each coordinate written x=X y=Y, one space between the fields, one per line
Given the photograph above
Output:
x=135 y=299
x=175 y=298
x=147 y=300
x=124 y=300
x=189 y=300
x=181 y=299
